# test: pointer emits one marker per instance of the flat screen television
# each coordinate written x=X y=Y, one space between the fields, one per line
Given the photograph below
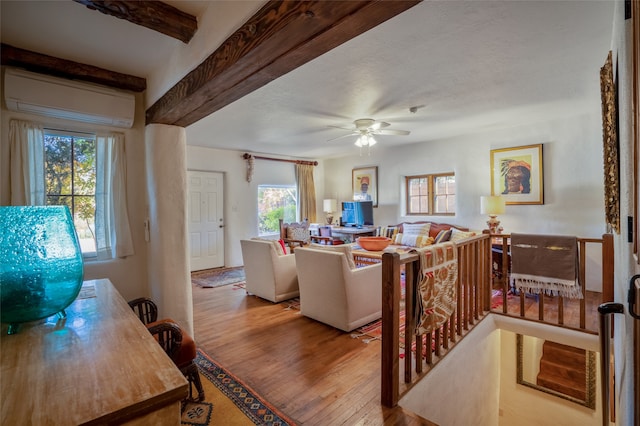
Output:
x=357 y=213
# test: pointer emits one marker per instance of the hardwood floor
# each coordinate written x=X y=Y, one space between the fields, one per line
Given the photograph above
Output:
x=314 y=373
x=571 y=309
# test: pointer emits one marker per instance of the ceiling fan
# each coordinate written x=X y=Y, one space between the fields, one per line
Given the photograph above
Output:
x=366 y=129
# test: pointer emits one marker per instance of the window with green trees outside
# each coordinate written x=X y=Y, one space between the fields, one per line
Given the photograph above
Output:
x=274 y=203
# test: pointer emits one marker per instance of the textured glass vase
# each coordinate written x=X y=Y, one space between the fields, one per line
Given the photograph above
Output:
x=41 y=267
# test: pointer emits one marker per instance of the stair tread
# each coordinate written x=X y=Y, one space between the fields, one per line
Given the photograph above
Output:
x=579 y=393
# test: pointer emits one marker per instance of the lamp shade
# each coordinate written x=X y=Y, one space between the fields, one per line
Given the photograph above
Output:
x=492 y=204
x=329 y=206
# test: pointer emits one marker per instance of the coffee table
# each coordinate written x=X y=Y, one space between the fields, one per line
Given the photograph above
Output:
x=364 y=257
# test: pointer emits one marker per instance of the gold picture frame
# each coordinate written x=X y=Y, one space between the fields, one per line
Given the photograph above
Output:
x=610 y=139
x=365 y=176
x=517 y=174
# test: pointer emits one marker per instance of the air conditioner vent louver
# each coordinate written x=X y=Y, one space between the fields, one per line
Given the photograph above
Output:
x=59 y=98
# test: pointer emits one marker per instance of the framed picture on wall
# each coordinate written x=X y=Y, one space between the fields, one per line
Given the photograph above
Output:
x=364 y=182
x=516 y=174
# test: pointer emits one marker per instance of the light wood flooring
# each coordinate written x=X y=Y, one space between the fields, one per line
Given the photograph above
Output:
x=312 y=372
x=315 y=374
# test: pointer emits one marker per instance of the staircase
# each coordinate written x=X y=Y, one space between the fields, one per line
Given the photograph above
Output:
x=563 y=369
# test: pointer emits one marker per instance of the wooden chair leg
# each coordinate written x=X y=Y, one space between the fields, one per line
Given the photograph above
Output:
x=193 y=376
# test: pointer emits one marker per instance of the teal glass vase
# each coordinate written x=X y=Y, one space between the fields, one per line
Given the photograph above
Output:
x=41 y=269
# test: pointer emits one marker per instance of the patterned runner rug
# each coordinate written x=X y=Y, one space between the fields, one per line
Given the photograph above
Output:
x=228 y=401
x=217 y=277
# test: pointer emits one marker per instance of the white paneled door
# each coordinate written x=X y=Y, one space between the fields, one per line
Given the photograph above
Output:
x=206 y=221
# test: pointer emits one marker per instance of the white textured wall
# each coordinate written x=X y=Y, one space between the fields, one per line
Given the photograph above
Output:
x=476 y=383
x=240 y=196
x=168 y=266
x=625 y=265
x=573 y=176
x=129 y=275
x=572 y=157
x=463 y=388
x=521 y=405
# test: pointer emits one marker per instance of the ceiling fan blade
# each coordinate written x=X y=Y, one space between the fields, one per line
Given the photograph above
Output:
x=343 y=136
x=392 y=132
x=379 y=124
x=342 y=128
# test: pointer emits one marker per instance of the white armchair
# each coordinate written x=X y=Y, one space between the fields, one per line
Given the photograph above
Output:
x=336 y=293
x=269 y=274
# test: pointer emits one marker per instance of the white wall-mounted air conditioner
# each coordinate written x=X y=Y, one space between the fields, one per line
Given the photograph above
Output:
x=68 y=99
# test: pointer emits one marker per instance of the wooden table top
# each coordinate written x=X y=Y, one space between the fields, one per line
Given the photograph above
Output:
x=100 y=365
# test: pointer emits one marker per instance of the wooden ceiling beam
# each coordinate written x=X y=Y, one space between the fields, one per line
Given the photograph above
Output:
x=155 y=15
x=45 y=64
x=280 y=37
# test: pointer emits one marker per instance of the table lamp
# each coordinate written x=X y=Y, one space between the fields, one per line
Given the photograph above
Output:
x=329 y=206
x=492 y=205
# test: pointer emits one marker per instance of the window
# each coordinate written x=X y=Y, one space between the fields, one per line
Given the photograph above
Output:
x=70 y=179
x=275 y=203
x=431 y=194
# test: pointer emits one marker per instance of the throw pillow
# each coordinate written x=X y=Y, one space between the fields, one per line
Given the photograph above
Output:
x=457 y=235
x=443 y=236
x=284 y=248
x=301 y=234
x=414 y=240
x=387 y=231
x=346 y=249
x=416 y=228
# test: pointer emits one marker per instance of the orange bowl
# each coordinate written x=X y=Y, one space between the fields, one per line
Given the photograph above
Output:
x=374 y=243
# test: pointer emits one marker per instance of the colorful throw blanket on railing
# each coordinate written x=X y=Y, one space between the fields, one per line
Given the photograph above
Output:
x=436 y=293
x=545 y=264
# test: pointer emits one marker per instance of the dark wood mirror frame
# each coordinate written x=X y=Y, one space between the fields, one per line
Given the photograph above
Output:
x=526 y=362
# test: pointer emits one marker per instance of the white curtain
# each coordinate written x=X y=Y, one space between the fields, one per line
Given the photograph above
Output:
x=26 y=155
x=113 y=234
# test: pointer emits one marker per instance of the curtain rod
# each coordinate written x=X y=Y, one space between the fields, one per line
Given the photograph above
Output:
x=246 y=156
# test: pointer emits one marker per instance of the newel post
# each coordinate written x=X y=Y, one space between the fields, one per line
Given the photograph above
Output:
x=390 y=329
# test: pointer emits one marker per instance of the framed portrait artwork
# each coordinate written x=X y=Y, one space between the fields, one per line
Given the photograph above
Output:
x=364 y=182
x=516 y=174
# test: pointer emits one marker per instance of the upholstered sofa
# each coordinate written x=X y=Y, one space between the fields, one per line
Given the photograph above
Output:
x=270 y=273
x=335 y=292
x=418 y=234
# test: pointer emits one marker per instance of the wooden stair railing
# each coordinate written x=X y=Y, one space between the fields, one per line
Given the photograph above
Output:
x=500 y=280
x=474 y=298
x=474 y=287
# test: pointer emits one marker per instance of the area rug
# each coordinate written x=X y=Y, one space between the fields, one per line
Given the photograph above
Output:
x=291 y=304
x=228 y=401
x=210 y=278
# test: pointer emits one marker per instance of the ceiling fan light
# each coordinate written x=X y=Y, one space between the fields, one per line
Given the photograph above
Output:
x=371 y=141
x=360 y=142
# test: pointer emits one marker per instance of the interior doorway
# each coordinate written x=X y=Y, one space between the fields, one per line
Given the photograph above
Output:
x=206 y=220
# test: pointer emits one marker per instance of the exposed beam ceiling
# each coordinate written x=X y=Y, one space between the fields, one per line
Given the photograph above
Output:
x=37 y=62
x=154 y=15
x=279 y=38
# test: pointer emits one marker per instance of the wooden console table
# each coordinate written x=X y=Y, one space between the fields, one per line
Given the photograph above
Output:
x=98 y=366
